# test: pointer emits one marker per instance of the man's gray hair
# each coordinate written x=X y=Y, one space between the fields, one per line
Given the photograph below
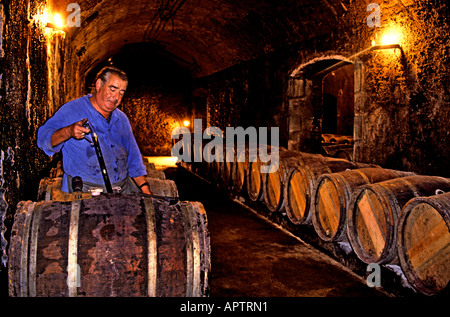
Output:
x=106 y=71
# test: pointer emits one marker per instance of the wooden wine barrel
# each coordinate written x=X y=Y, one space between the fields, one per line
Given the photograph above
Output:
x=150 y=166
x=156 y=174
x=206 y=164
x=227 y=168
x=50 y=188
x=242 y=160
x=46 y=185
x=161 y=187
x=216 y=171
x=57 y=171
x=273 y=183
x=300 y=182
x=109 y=245
x=254 y=182
x=332 y=194
x=374 y=210
x=240 y=166
x=334 y=150
x=423 y=243
x=335 y=138
x=346 y=153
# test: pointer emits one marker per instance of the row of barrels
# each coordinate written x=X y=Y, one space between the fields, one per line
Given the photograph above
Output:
x=387 y=216
x=109 y=245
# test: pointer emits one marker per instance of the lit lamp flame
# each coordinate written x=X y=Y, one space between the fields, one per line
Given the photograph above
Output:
x=58 y=21
x=390 y=38
x=186 y=123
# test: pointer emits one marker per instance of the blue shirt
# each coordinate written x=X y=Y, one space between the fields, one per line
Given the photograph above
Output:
x=118 y=145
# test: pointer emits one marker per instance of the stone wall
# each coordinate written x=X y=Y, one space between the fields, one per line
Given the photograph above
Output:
x=401 y=95
x=30 y=91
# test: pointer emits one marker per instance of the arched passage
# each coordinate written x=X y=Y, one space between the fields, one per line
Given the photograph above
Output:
x=321 y=101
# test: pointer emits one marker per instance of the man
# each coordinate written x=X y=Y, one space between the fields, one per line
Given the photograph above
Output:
x=65 y=131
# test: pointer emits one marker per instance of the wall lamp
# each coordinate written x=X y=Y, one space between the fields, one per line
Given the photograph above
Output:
x=57 y=23
x=374 y=47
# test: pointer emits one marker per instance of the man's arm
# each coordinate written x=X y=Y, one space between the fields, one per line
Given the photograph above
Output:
x=75 y=130
x=141 y=180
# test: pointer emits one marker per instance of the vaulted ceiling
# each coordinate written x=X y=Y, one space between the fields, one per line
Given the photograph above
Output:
x=203 y=36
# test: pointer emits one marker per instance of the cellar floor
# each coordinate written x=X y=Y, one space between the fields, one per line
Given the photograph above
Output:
x=251 y=257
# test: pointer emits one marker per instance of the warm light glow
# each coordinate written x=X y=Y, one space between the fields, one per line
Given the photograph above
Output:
x=392 y=37
x=58 y=21
x=186 y=123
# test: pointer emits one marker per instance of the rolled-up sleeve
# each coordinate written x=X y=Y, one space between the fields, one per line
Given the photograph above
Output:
x=44 y=136
x=61 y=118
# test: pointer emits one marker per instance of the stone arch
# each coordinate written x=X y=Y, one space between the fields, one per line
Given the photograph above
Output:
x=305 y=100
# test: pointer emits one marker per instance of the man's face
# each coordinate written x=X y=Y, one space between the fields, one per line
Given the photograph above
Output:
x=109 y=94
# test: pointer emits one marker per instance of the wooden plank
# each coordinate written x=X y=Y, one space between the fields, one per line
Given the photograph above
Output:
x=297 y=195
x=273 y=189
x=367 y=206
x=328 y=211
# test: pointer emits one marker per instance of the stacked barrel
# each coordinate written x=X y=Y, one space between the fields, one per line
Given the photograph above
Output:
x=386 y=216
x=111 y=244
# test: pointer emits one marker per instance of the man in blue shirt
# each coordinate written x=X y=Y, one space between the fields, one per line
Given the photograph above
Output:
x=65 y=131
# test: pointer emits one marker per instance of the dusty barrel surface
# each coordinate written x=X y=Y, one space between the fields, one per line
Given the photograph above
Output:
x=162 y=187
x=423 y=243
x=50 y=188
x=254 y=177
x=244 y=156
x=228 y=162
x=109 y=245
x=274 y=182
x=156 y=174
x=300 y=183
x=373 y=214
x=332 y=194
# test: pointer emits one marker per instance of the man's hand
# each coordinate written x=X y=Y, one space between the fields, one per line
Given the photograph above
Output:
x=76 y=130
x=141 y=180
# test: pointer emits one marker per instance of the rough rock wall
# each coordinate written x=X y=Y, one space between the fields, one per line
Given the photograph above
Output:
x=401 y=96
x=30 y=91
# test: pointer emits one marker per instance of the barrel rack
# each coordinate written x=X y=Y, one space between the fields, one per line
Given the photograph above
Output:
x=268 y=196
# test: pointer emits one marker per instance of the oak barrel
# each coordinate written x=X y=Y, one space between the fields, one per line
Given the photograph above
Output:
x=300 y=182
x=242 y=161
x=254 y=182
x=331 y=196
x=162 y=187
x=374 y=210
x=227 y=167
x=156 y=174
x=50 y=188
x=109 y=245
x=274 y=182
x=238 y=171
x=423 y=243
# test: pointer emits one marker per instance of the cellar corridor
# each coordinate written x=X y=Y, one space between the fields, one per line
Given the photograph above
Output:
x=252 y=257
